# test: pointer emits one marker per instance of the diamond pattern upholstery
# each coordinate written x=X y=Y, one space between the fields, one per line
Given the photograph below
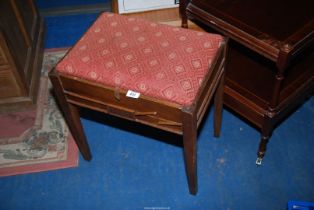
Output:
x=156 y=60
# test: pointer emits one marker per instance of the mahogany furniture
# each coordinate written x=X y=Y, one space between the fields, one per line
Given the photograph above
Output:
x=271 y=60
x=153 y=74
x=21 y=53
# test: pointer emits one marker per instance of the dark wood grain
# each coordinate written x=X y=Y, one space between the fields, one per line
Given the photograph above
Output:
x=21 y=52
x=270 y=70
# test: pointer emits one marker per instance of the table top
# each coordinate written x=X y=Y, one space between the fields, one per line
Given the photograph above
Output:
x=281 y=24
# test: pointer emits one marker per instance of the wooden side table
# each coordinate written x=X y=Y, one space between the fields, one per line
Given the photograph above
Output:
x=270 y=69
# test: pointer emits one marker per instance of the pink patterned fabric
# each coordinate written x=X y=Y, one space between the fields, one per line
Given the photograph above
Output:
x=155 y=60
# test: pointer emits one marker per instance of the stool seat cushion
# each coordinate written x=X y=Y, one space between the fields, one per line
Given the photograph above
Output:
x=156 y=60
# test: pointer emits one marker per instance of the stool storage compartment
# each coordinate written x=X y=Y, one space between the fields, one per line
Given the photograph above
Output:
x=161 y=76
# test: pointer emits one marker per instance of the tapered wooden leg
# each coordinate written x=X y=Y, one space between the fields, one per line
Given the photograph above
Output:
x=80 y=137
x=190 y=149
x=72 y=117
x=218 y=104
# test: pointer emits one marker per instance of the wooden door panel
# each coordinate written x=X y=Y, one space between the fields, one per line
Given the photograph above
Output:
x=13 y=34
x=27 y=13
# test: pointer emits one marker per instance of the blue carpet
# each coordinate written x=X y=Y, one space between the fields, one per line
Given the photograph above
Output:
x=64 y=31
x=135 y=167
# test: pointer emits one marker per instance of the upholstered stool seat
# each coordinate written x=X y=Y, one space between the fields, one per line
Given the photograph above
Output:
x=146 y=72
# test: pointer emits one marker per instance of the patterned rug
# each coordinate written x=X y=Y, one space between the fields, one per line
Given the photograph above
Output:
x=37 y=140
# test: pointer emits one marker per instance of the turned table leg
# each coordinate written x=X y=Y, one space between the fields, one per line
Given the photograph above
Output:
x=182 y=11
x=266 y=132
